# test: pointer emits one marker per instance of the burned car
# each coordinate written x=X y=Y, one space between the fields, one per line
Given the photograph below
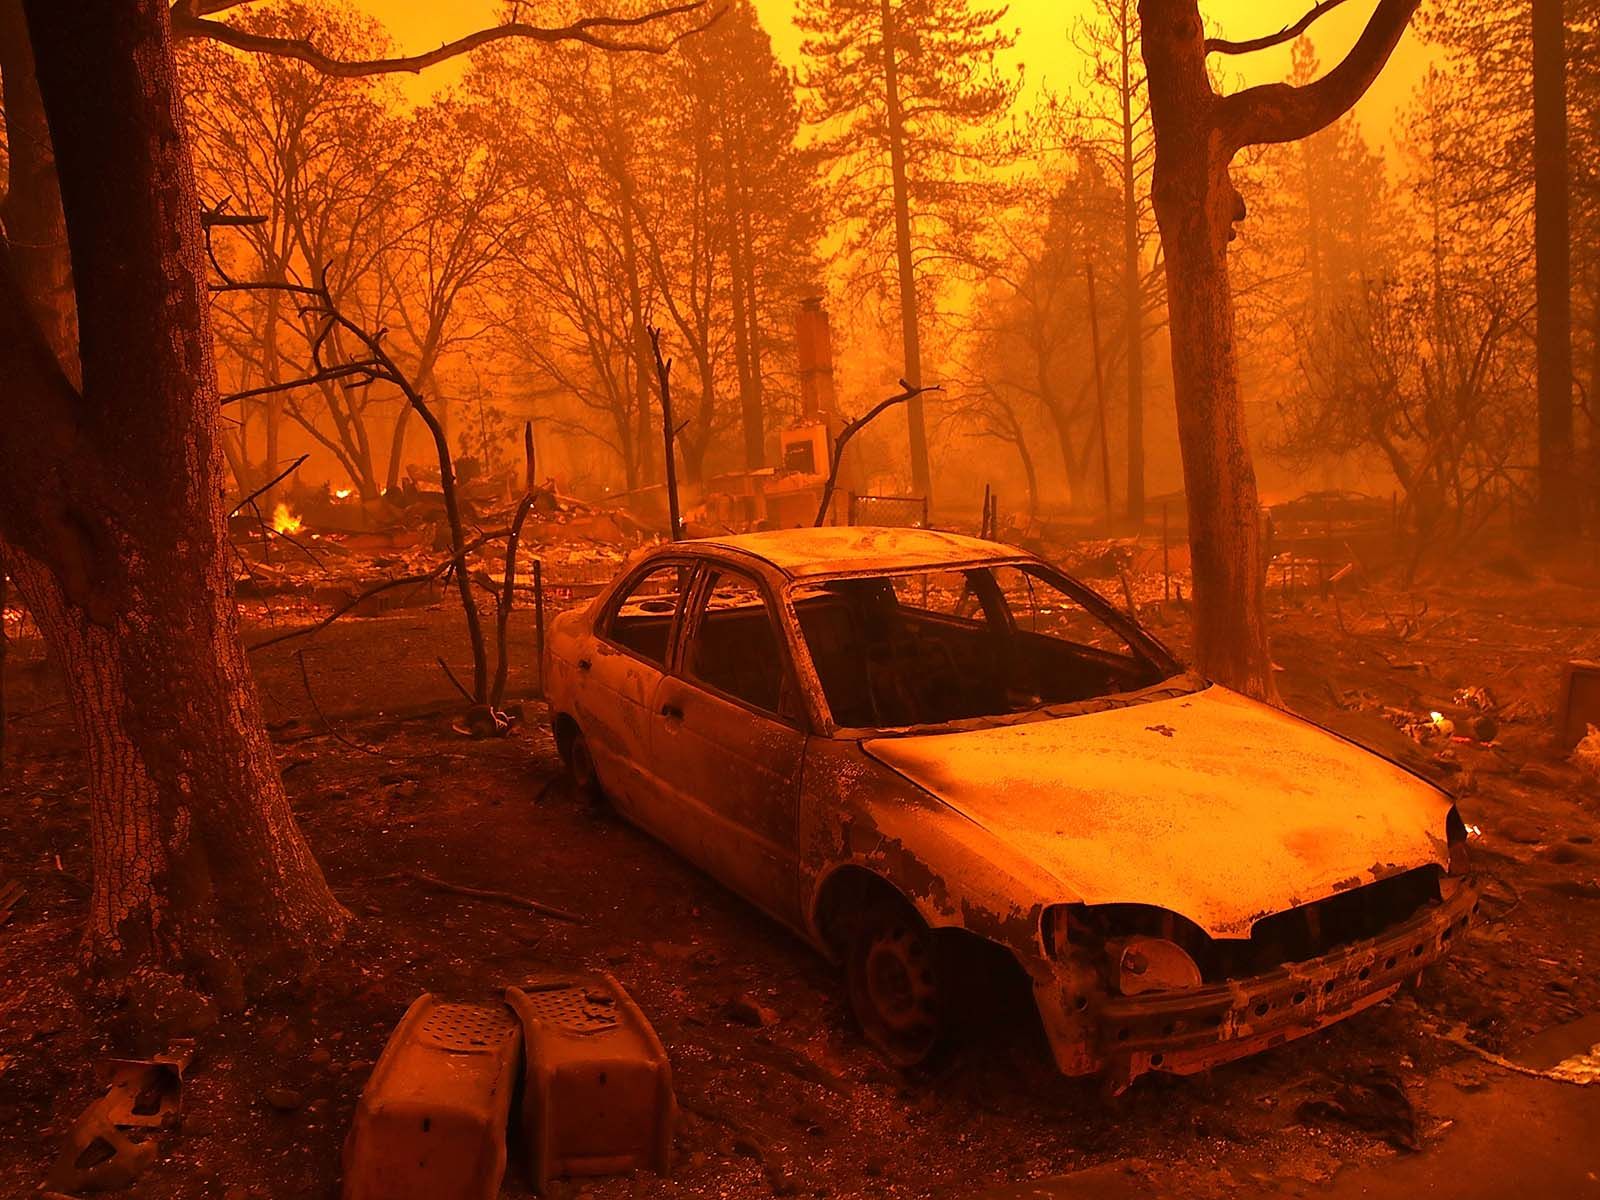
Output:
x=946 y=763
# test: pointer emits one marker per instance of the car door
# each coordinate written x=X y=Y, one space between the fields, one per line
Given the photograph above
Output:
x=633 y=642
x=728 y=743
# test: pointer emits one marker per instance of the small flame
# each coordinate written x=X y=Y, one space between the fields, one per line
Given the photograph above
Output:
x=342 y=494
x=284 y=521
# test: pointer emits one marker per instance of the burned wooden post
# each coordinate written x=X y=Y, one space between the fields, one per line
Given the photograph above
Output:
x=538 y=618
x=669 y=432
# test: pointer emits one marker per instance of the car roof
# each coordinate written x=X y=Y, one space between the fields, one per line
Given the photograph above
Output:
x=849 y=549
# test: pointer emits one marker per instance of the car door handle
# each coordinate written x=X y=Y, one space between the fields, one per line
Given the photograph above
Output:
x=584 y=664
x=672 y=712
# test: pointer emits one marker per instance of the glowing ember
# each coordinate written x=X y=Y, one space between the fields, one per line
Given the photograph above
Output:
x=1474 y=831
x=284 y=521
x=342 y=494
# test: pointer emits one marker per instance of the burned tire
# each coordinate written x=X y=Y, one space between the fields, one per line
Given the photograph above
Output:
x=580 y=768
x=896 y=981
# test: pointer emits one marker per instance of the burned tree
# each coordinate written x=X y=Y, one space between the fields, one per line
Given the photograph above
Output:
x=113 y=493
x=111 y=506
x=1198 y=134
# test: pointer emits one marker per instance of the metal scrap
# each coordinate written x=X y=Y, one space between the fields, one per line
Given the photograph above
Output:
x=141 y=1094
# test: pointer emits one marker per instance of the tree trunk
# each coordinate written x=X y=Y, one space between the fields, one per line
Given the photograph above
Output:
x=1558 y=510
x=1594 y=402
x=1132 y=293
x=1030 y=475
x=740 y=262
x=921 y=480
x=1196 y=205
x=397 y=446
x=115 y=496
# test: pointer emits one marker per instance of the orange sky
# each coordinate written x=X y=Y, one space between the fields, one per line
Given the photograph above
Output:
x=1042 y=44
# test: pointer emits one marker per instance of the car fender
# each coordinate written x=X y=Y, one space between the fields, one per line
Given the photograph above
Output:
x=856 y=813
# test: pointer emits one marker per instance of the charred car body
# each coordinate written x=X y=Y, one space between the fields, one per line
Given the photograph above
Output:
x=920 y=750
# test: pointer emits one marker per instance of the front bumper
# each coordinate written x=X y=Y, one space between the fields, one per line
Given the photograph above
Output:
x=1189 y=1031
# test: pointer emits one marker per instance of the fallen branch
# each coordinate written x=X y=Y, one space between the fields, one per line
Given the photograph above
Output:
x=444 y=885
x=451 y=676
x=305 y=679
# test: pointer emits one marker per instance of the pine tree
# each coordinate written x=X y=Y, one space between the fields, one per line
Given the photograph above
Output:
x=1494 y=72
x=904 y=92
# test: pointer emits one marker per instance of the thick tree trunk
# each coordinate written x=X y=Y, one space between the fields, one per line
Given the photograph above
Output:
x=115 y=496
x=916 y=421
x=1196 y=205
x=1558 y=510
x=1197 y=133
x=1132 y=293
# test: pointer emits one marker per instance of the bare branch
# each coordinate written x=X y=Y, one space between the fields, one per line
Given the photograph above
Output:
x=1287 y=34
x=364 y=369
x=669 y=432
x=273 y=482
x=855 y=427
x=1280 y=112
x=186 y=23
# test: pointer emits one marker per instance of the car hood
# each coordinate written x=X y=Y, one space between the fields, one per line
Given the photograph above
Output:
x=1209 y=805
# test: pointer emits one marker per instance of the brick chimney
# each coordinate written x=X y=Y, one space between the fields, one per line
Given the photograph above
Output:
x=814 y=351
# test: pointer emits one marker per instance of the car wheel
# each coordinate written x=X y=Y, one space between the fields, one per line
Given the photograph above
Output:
x=580 y=765
x=894 y=979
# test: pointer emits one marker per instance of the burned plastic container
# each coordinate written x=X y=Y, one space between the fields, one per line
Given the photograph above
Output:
x=597 y=1090
x=431 y=1124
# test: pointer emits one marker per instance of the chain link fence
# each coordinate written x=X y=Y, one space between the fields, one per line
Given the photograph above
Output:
x=905 y=511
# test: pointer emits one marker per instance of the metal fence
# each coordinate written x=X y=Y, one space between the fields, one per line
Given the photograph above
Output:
x=907 y=511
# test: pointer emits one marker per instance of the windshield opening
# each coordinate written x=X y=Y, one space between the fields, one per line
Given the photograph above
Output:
x=934 y=647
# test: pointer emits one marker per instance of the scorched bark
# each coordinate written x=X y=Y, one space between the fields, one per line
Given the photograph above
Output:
x=114 y=492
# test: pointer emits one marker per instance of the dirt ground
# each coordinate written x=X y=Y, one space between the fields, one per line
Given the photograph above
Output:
x=384 y=786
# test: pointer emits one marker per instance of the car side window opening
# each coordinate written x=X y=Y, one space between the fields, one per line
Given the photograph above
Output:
x=642 y=619
x=735 y=647
x=930 y=647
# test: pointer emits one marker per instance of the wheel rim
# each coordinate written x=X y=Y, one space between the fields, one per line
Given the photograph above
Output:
x=896 y=989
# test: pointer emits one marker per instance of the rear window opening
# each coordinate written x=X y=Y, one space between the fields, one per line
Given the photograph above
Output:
x=936 y=647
